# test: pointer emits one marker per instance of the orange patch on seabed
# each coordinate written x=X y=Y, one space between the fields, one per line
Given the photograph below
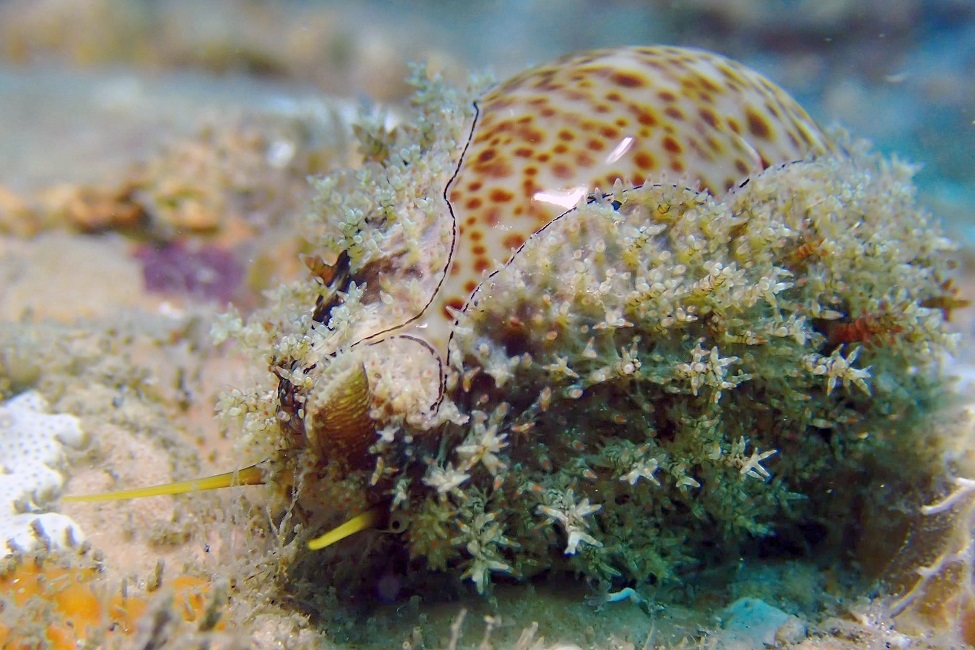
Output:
x=56 y=607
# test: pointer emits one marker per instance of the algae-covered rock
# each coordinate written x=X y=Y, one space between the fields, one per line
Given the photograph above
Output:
x=661 y=379
x=670 y=383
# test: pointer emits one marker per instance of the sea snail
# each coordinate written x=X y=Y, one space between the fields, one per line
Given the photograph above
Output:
x=540 y=144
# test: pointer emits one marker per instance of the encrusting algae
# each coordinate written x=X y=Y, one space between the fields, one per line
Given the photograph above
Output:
x=608 y=318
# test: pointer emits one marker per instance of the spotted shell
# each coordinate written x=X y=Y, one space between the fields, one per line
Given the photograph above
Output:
x=546 y=139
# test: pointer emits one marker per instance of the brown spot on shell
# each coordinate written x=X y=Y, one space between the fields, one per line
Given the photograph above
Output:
x=758 y=126
x=562 y=171
x=583 y=159
x=453 y=303
x=709 y=117
x=514 y=240
x=643 y=160
x=500 y=195
x=627 y=80
x=492 y=217
x=646 y=118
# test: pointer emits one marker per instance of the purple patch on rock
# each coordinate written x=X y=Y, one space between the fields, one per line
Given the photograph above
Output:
x=199 y=271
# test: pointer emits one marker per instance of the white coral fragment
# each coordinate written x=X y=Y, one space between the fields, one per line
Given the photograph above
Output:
x=32 y=445
x=753 y=466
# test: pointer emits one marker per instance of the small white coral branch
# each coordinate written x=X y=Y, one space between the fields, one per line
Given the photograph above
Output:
x=708 y=368
x=571 y=516
x=484 y=540
x=446 y=479
x=837 y=368
x=483 y=443
x=753 y=466
x=966 y=486
x=644 y=469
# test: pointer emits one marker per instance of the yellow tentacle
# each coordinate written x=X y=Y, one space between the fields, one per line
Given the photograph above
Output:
x=369 y=519
x=252 y=475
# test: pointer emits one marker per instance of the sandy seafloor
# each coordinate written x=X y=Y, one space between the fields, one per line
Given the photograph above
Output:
x=212 y=114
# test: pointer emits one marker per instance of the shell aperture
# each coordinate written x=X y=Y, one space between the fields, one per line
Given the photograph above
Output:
x=546 y=139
